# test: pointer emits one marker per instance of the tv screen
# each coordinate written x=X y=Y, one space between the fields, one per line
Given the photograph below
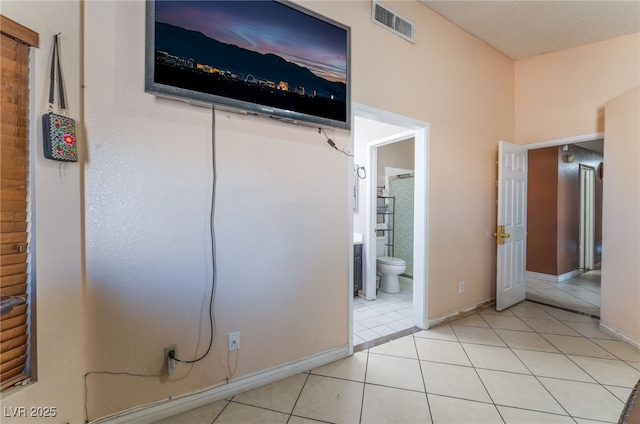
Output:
x=268 y=57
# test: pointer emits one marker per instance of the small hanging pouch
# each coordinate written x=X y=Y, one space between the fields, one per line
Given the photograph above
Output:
x=59 y=131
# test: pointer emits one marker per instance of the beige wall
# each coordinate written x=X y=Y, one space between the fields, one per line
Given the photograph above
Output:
x=563 y=94
x=56 y=234
x=621 y=215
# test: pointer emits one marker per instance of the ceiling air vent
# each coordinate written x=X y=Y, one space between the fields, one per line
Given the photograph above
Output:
x=385 y=17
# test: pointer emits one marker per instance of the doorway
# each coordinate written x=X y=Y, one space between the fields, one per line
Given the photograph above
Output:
x=569 y=276
x=374 y=129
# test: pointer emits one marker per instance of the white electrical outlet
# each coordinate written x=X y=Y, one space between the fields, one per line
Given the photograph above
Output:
x=234 y=341
x=461 y=287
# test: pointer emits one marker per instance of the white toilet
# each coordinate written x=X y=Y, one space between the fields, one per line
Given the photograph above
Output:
x=388 y=267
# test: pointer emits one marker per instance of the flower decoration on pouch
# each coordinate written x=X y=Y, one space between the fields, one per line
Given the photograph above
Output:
x=69 y=139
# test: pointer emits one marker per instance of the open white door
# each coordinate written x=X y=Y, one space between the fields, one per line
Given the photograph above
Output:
x=511 y=232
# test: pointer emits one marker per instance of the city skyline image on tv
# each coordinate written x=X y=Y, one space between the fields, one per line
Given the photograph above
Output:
x=264 y=52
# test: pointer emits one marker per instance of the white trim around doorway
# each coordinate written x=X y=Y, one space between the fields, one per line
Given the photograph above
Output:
x=418 y=130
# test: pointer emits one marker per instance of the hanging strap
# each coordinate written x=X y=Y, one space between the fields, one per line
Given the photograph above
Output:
x=55 y=61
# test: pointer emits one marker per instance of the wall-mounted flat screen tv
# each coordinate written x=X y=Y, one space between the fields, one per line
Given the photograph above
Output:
x=268 y=57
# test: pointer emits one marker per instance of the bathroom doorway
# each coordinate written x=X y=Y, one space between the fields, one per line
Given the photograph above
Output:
x=378 y=314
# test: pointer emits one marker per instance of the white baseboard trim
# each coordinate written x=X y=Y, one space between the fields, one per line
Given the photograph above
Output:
x=459 y=313
x=568 y=275
x=621 y=335
x=159 y=410
x=553 y=278
x=540 y=276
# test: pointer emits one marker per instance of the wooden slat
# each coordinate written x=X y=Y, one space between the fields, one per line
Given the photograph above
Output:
x=18 y=362
x=14 y=69
x=13 y=238
x=12 y=354
x=11 y=97
x=11 y=172
x=9 y=248
x=21 y=32
x=21 y=109
x=13 y=194
x=13 y=102
x=8 y=140
x=14 y=63
x=12 y=343
x=12 y=77
x=13 y=131
x=13 y=205
x=11 y=50
x=17 y=290
x=13 y=280
x=13 y=259
x=12 y=269
x=11 y=378
x=6 y=335
x=13 y=216
x=9 y=323
x=14 y=153
x=9 y=119
x=17 y=310
x=12 y=227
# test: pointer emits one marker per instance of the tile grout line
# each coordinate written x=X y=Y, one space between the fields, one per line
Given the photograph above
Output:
x=299 y=395
x=364 y=386
x=424 y=383
x=220 y=413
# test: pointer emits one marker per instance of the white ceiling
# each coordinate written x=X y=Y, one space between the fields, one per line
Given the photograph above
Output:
x=524 y=28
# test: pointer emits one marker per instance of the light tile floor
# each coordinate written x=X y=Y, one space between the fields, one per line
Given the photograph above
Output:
x=386 y=315
x=581 y=293
x=528 y=364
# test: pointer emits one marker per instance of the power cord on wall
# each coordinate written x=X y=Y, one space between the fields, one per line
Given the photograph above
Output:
x=211 y=298
x=212 y=235
x=331 y=142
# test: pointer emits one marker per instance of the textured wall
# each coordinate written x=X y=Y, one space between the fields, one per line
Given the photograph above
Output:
x=563 y=93
x=621 y=216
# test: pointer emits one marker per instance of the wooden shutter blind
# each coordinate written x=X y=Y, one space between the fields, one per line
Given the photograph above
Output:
x=14 y=111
